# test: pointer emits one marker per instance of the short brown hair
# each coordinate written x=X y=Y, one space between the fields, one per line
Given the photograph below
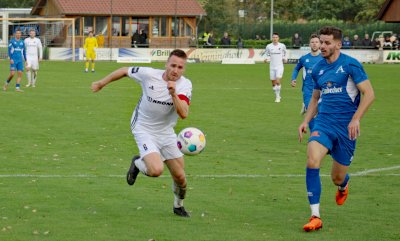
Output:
x=178 y=53
x=314 y=35
x=334 y=31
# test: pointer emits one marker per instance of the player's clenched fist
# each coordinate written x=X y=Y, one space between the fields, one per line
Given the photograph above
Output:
x=96 y=86
x=171 y=85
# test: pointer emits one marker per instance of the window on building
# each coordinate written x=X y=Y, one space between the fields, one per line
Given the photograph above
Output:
x=180 y=28
x=116 y=26
x=159 y=27
x=144 y=25
x=88 y=25
x=101 y=25
x=125 y=26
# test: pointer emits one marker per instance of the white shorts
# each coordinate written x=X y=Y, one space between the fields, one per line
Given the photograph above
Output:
x=32 y=63
x=276 y=73
x=166 y=145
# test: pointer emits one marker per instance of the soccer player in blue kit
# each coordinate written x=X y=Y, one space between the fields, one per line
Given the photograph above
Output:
x=17 y=55
x=339 y=81
x=307 y=62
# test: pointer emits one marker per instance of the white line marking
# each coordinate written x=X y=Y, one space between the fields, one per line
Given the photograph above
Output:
x=364 y=173
x=357 y=174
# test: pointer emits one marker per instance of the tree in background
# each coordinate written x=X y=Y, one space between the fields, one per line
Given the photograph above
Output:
x=16 y=3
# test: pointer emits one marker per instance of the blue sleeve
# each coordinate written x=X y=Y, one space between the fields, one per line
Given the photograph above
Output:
x=9 y=50
x=296 y=70
x=314 y=77
x=24 y=50
x=357 y=72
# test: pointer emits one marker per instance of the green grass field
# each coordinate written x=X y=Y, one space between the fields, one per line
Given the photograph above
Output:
x=64 y=153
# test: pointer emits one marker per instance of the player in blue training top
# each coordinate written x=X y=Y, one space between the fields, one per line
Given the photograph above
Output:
x=339 y=81
x=307 y=62
x=17 y=55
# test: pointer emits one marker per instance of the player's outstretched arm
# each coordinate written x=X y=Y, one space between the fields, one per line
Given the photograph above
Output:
x=312 y=110
x=116 y=75
x=368 y=97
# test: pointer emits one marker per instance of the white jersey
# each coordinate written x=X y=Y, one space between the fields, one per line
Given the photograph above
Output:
x=34 y=48
x=276 y=54
x=155 y=113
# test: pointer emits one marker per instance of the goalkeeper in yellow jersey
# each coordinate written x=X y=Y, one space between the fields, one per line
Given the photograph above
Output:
x=90 y=53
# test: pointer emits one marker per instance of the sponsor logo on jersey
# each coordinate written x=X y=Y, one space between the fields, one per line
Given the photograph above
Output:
x=307 y=60
x=330 y=90
x=159 y=102
x=151 y=87
x=321 y=72
x=340 y=70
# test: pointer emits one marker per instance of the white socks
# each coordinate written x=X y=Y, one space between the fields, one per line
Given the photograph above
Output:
x=315 y=210
x=139 y=163
x=29 y=77
x=277 y=90
x=34 y=76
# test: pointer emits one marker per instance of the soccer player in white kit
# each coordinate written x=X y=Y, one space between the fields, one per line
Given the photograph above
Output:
x=165 y=96
x=34 y=54
x=276 y=55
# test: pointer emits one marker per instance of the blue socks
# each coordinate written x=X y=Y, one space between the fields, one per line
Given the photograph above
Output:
x=313 y=183
x=343 y=185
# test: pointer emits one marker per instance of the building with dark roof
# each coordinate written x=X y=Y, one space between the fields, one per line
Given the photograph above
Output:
x=165 y=23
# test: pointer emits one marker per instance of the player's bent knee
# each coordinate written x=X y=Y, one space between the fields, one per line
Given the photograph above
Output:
x=180 y=178
x=337 y=179
x=155 y=171
x=313 y=163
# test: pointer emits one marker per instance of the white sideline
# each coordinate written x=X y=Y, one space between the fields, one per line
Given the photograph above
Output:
x=368 y=172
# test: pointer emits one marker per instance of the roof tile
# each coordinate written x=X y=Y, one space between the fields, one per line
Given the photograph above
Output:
x=131 y=7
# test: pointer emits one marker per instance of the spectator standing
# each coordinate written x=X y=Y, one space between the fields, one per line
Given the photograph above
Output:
x=346 y=44
x=226 y=40
x=239 y=43
x=210 y=41
x=192 y=42
x=143 y=39
x=366 y=42
x=356 y=43
x=297 y=41
x=135 y=39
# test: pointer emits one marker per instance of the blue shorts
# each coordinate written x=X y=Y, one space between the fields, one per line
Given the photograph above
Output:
x=17 y=66
x=335 y=138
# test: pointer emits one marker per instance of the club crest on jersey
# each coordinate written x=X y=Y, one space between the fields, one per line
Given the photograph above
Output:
x=307 y=60
x=340 y=70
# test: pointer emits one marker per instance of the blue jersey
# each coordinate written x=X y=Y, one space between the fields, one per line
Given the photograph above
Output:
x=307 y=61
x=16 y=50
x=337 y=82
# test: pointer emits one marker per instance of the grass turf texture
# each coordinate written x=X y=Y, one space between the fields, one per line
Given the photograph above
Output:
x=74 y=148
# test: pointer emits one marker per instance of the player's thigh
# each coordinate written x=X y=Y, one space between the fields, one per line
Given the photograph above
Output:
x=279 y=73
x=91 y=55
x=272 y=74
x=154 y=163
x=177 y=169
x=13 y=68
x=35 y=65
x=150 y=152
x=19 y=66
